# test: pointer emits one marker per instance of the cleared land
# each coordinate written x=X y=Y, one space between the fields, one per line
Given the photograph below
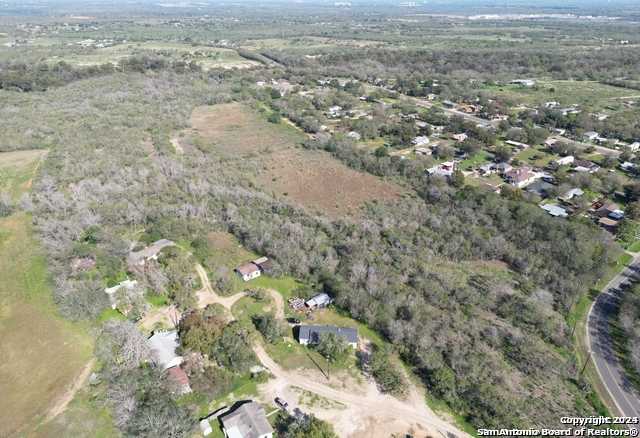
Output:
x=207 y=57
x=42 y=354
x=312 y=179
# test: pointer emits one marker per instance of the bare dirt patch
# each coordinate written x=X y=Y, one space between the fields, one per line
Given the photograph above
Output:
x=236 y=130
x=319 y=182
x=312 y=179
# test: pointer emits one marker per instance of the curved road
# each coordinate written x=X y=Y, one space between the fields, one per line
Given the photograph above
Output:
x=599 y=341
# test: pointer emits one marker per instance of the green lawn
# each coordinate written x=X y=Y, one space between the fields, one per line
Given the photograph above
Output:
x=42 y=353
x=535 y=156
x=476 y=160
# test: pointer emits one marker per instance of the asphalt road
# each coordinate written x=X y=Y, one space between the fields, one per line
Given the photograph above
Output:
x=599 y=341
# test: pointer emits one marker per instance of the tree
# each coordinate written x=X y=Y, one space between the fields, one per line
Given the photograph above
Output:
x=120 y=347
x=200 y=329
x=306 y=427
x=457 y=178
x=503 y=153
x=6 y=206
x=333 y=347
x=268 y=326
x=388 y=378
x=233 y=351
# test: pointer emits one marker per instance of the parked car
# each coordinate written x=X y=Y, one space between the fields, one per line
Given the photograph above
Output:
x=293 y=320
x=281 y=403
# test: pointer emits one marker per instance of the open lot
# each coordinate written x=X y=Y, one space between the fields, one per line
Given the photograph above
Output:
x=207 y=57
x=312 y=179
x=42 y=354
x=589 y=94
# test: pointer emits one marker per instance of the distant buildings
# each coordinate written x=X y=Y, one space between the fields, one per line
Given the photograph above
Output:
x=523 y=82
x=151 y=252
x=445 y=169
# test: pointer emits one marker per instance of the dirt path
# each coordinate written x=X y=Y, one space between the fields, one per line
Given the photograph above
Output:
x=168 y=315
x=207 y=295
x=279 y=302
x=62 y=403
x=373 y=404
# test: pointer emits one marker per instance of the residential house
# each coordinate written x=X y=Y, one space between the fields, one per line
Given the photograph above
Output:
x=608 y=224
x=312 y=334
x=552 y=104
x=570 y=194
x=555 y=210
x=460 y=137
x=604 y=208
x=528 y=83
x=540 y=188
x=503 y=168
x=354 y=135
x=248 y=271
x=550 y=142
x=423 y=151
x=628 y=166
x=565 y=161
x=163 y=345
x=264 y=264
x=487 y=169
x=246 y=421
x=420 y=140
x=151 y=252
x=443 y=169
x=517 y=144
x=335 y=112
x=112 y=292
x=590 y=135
x=585 y=166
x=179 y=378
x=521 y=177
x=319 y=301
x=634 y=147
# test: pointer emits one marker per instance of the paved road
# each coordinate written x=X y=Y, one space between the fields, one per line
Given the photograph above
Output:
x=599 y=341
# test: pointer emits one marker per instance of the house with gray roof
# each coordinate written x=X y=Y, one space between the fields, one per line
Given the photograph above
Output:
x=247 y=421
x=312 y=334
x=163 y=345
x=139 y=258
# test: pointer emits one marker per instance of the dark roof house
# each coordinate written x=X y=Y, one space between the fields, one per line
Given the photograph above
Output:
x=311 y=334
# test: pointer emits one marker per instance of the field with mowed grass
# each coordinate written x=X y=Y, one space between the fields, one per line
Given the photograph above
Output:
x=42 y=354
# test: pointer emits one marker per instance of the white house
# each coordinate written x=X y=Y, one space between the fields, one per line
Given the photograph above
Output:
x=565 y=161
x=312 y=334
x=112 y=291
x=420 y=140
x=460 y=137
x=248 y=271
x=444 y=169
x=163 y=345
x=591 y=135
x=634 y=147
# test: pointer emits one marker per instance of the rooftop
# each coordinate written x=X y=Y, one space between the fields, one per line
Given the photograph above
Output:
x=247 y=421
x=313 y=333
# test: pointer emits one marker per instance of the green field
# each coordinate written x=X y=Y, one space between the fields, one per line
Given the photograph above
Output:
x=42 y=354
x=206 y=57
x=589 y=94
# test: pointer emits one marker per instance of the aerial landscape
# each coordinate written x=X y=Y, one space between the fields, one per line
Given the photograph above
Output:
x=319 y=219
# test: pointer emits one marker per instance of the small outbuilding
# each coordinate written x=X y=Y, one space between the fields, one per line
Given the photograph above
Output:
x=320 y=301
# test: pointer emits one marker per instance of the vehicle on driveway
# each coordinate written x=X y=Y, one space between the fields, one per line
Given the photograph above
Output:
x=281 y=403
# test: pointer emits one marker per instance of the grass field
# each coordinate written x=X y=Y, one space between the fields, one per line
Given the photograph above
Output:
x=42 y=354
x=589 y=94
x=311 y=179
x=206 y=57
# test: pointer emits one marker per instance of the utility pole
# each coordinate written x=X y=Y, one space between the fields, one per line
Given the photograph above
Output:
x=584 y=367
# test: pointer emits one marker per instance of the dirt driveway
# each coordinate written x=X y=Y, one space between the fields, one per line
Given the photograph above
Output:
x=361 y=414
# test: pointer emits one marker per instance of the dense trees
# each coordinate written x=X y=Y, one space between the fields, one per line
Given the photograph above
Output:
x=469 y=287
